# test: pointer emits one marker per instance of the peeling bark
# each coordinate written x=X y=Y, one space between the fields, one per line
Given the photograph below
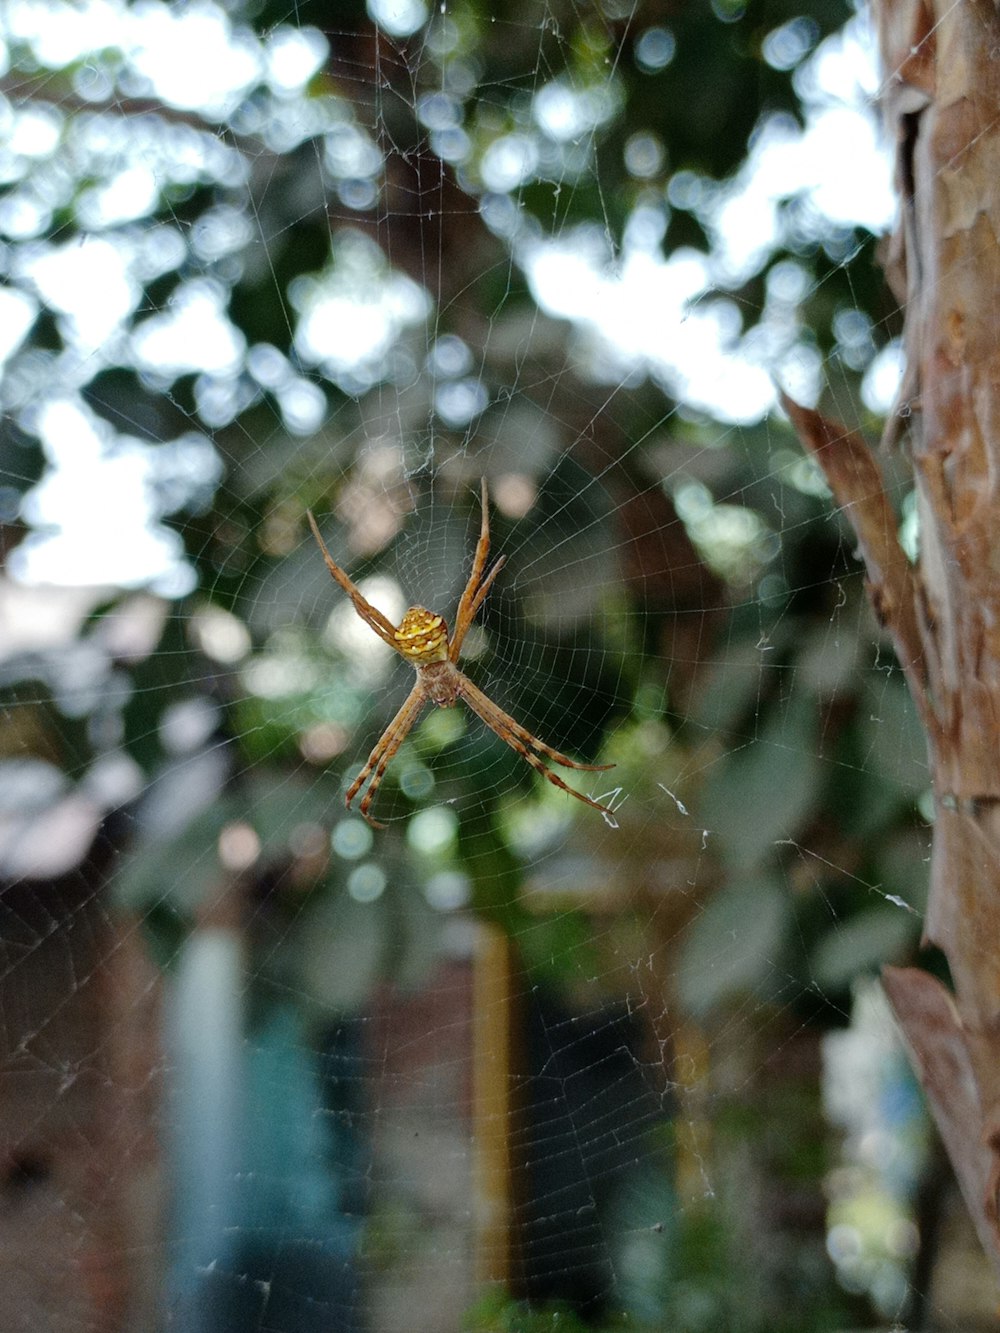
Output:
x=941 y=97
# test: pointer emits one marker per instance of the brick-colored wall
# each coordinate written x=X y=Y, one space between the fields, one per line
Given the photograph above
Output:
x=80 y=1180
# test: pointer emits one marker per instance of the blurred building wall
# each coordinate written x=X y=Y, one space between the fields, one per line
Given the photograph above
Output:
x=80 y=1174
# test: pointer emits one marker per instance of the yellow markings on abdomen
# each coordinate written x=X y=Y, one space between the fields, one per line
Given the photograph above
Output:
x=422 y=636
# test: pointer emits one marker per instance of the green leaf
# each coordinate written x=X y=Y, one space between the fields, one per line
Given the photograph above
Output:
x=883 y=934
x=735 y=680
x=902 y=866
x=763 y=792
x=733 y=946
x=897 y=744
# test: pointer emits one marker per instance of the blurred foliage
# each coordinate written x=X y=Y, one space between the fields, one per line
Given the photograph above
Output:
x=498 y=1313
x=715 y=645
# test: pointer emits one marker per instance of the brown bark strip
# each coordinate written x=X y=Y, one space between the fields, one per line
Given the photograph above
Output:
x=940 y=1055
x=854 y=478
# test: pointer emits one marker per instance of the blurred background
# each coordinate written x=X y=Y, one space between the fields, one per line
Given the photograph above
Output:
x=508 y=1064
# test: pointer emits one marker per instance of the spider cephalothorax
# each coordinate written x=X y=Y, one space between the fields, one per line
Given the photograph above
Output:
x=422 y=638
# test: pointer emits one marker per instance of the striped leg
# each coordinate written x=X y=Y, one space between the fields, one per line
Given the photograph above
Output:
x=388 y=744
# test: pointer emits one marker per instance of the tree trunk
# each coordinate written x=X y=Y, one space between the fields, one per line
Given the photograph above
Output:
x=941 y=96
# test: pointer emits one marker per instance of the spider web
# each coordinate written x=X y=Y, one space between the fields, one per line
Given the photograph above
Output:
x=267 y=1068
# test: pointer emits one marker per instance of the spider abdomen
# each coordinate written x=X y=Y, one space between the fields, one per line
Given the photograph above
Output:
x=422 y=636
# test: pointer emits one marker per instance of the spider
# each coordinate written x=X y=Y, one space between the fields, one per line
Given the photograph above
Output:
x=422 y=639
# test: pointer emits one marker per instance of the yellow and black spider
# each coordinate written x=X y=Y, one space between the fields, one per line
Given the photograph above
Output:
x=422 y=638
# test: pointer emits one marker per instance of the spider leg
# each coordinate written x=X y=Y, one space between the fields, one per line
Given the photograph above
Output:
x=502 y=722
x=477 y=602
x=386 y=747
x=368 y=613
x=475 y=592
x=498 y=721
